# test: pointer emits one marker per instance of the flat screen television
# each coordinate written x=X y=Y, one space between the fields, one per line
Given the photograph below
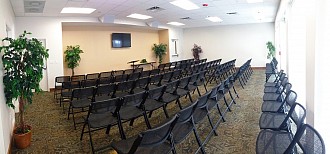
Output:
x=121 y=40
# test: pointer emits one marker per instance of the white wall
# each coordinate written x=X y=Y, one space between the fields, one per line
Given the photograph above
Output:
x=6 y=114
x=240 y=42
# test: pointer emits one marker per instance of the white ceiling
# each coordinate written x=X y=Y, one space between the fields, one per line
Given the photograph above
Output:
x=246 y=12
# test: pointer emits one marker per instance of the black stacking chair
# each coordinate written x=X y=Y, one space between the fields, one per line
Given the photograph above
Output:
x=192 y=86
x=279 y=106
x=203 y=111
x=278 y=96
x=78 y=77
x=89 y=83
x=81 y=98
x=161 y=67
x=152 y=141
x=167 y=76
x=201 y=81
x=185 y=125
x=306 y=139
x=105 y=74
x=104 y=92
x=213 y=102
x=155 y=81
x=141 y=84
x=152 y=102
x=124 y=88
x=101 y=115
x=183 y=89
x=58 y=84
x=176 y=75
x=282 y=121
x=170 y=96
x=66 y=91
x=92 y=76
x=132 y=108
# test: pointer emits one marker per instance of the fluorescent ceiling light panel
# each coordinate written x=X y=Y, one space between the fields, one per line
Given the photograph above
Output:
x=175 y=23
x=139 y=16
x=254 y=1
x=77 y=10
x=214 y=19
x=185 y=4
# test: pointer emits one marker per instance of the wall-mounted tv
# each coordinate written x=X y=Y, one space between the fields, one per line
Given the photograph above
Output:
x=121 y=40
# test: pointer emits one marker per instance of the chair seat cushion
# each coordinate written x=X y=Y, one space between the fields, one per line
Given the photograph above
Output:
x=272 y=142
x=182 y=92
x=270 y=120
x=101 y=120
x=102 y=98
x=129 y=112
x=270 y=84
x=271 y=96
x=80 y=103
x=199 y=114
x=181 y=131
x=270 y=89
x=151 y=105
x=272 y=106
x=167 y=97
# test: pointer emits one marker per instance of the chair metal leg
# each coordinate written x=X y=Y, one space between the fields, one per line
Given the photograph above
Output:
x=90 y=139
x=212 y=126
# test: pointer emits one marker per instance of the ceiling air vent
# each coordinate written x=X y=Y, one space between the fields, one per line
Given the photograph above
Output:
x=232 y=13
x=186 y=18
x=34 y=6
x=155 y=9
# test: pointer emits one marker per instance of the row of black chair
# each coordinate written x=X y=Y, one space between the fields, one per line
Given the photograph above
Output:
x=282 y=122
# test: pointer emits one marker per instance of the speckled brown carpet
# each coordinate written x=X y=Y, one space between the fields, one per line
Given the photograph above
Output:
x=53 y=133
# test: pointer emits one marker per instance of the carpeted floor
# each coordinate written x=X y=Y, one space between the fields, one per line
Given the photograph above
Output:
x=53 y=133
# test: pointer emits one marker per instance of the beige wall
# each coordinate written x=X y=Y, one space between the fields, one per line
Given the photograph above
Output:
x=98 y=55
x=164 y=38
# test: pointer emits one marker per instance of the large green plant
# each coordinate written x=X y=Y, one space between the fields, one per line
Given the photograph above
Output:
x=23 y=61
x=271 y=50
x=72 y=56
x=160 y=51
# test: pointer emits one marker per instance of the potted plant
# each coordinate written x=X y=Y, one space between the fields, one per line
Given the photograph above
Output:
x=23 y=61
x=160 y=51
x=196 y=50
x=72 y=56
x=143 y=61
x=271 y=50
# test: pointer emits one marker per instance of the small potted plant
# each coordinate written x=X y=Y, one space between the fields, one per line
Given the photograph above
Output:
x=23 y=61
x=271 y=50
x=160 y=51
x=196 y=50
x=72 y=56
x=143 y=61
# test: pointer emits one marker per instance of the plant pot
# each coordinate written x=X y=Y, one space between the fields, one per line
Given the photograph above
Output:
x=22 y=141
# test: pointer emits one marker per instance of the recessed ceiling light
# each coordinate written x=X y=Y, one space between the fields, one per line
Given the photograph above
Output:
x=185 y=4
x=214 y=19
x=139 y=16
x=175 y=23
x=254 y=1
x=77 y=10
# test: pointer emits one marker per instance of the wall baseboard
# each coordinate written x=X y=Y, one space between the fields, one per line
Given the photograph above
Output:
x=51 y=89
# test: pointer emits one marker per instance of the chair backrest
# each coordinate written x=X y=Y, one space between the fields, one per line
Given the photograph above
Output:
x=308 y=140
x=61 y=79
x=155 y=136
x=125 y=86
x=110 y=105
x=167 y=76
x=106 y=80
x=156 y=93
x=133 y=76
x=145 y=73
x=155 y=71
x=120 y=78
x=106 y=90
x=172 y=86
x=156 y=79
x=89 y=83
x=193 y=78
x=184 y=82
x=92 y=76
x=117 y=72
x=290 y=98
x=128 y=71
x=298 y=114
x=134 y=99
x=83 y=93
x=202 y=101
x=71 y=85
x=176 y=75
x=186 y=113
x=142 y=83
x=78 y=77
x=105 y=74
